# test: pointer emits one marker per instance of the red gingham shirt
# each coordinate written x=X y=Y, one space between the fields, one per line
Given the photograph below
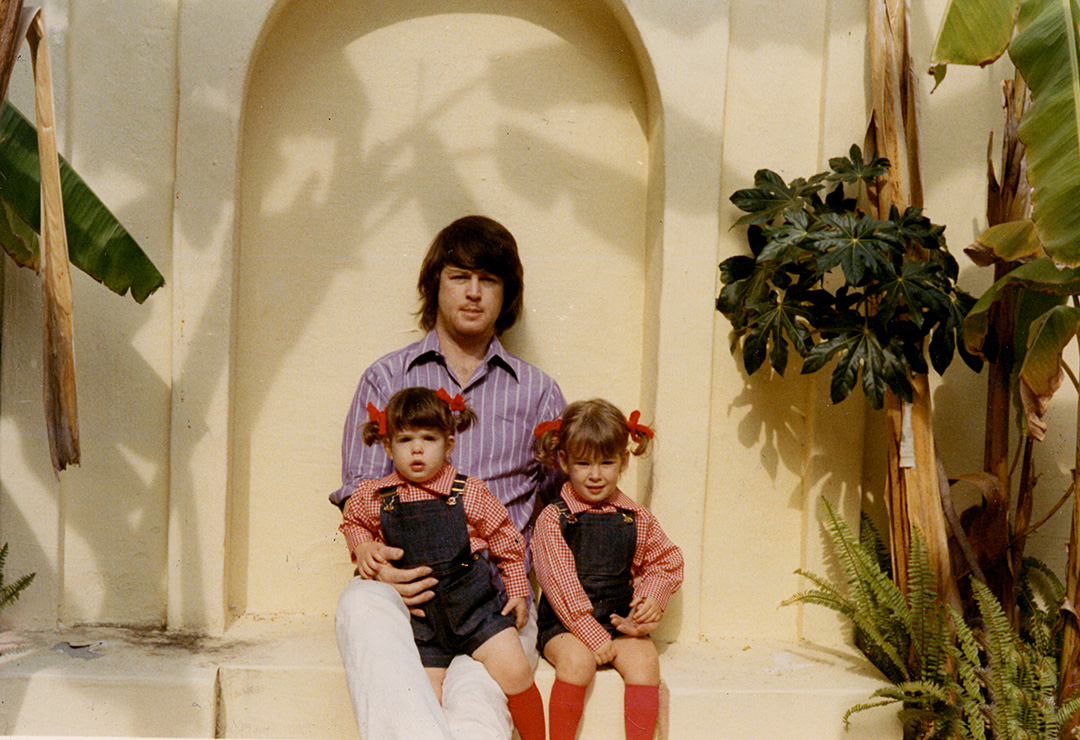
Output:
x=657 y=567
x=489 y=524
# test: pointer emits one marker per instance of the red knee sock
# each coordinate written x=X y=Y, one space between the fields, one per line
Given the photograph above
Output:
x=565 y=706
x=641 y=704
x=527 y=711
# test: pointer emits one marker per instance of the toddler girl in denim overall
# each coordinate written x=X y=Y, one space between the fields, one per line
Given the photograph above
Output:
x=444 y=520
x=605 y=567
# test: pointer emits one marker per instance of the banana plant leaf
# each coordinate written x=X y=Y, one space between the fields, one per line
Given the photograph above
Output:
x=1012 y=241
x=973 y=32
x=1046 y=53
x=1049 y=336
x=1038 y=276
x=98 y=243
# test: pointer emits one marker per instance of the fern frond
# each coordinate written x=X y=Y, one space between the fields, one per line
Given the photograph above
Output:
x=10 y=593
x=869 y=584
x=914 y=691
x=823 y=584
x=966 y=658
x=1067 y=710
x=874 y=544
x=864 y=706
x=928 y=617
x=1040 y=595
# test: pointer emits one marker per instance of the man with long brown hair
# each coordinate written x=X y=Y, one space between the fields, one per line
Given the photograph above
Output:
x=470 y=287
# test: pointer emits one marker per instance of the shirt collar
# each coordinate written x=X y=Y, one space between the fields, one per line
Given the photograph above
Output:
x=439 y=485
x=428 y=349
x=577 y=505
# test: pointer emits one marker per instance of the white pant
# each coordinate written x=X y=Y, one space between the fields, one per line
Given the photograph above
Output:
x=391 y=694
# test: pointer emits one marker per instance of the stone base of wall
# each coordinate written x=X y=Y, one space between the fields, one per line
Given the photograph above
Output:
x=280 y=678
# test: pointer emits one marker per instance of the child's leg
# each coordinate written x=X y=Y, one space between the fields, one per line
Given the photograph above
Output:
x=504 y=658
x=575 y=666
x=637 y=662
x=436 y=676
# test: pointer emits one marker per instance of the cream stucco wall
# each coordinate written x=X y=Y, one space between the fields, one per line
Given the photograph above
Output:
x=285 y=165
x=393 y=127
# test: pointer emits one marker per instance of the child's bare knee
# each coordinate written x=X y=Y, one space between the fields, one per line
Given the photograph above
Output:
x=577 y=668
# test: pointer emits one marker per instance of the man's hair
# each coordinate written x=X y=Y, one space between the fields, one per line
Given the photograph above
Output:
x=473 y=243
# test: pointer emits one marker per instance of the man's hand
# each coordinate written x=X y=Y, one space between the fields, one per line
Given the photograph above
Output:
x=412 y=584
x=644 y=617
x=517 y=606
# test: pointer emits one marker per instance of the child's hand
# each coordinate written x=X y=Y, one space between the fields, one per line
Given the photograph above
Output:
x=370 y=558
x=644 y=610
x=517 y=606
x=606 y=654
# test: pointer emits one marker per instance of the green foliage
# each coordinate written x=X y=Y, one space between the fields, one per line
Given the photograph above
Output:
x=9 y=593
x=98 y=244
x=1042 y=40
x=836 y=284
x=953 y=679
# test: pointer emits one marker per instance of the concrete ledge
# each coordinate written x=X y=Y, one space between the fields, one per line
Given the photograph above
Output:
x=263 y=679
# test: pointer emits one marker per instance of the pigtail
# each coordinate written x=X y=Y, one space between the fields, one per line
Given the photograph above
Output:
x=463 y=417
x=641 y=436
x=548 y=442
x=375 y=428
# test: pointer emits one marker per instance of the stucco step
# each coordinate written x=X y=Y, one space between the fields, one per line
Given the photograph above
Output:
x=282 y=679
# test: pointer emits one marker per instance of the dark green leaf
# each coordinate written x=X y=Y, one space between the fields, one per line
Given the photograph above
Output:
x=737 y=268
x=856 y=246
x=754 y=347
x=771 y=196
x=788 y=240
x=852 y=169
x=918 y=292
x=914 y=227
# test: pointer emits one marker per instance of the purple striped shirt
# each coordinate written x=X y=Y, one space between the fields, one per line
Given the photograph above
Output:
x=510 y=397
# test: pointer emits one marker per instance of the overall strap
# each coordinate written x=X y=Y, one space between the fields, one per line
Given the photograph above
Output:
x=386 y=495
x=456 y=488
x=565 y=515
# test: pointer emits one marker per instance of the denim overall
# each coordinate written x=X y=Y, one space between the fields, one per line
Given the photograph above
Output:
x=603 y=547
x=465 y=611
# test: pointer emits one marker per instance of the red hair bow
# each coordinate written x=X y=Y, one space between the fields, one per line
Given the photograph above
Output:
x=457 y=403
x=373 y=414
x=546 y=426
x=636 y=429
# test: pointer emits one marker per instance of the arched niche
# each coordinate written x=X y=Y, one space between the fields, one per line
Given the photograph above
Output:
x=364 y=129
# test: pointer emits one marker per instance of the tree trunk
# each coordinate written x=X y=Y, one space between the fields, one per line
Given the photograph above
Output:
x=1069 y=686
x=913 y=494
x=10 y=41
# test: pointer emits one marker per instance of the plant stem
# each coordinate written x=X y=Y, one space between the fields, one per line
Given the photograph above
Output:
x=1069 y=685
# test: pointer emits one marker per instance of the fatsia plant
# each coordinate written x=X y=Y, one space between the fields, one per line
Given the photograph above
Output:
x=836 y=284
